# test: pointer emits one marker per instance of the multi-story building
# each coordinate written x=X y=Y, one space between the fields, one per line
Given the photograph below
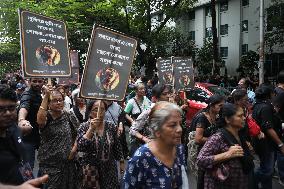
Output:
x=237 y=23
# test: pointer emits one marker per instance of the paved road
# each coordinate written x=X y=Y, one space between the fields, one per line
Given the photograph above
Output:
x=192 y=183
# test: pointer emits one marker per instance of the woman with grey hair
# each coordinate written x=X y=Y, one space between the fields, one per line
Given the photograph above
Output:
x=78 y=111
x=158 y=164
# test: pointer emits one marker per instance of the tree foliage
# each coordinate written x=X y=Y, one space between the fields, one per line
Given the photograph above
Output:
x=274 y=34
x=248 y=64
x=204 y=58
x=133 y=17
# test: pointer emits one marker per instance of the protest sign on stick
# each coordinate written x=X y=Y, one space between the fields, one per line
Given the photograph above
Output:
x=44 y=46
x=183 y=73
x=108 y=65
x=165 y=71
x=75 y=72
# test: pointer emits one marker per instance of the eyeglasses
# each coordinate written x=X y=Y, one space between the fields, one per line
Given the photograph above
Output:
x=56 y=100
x=4 y=109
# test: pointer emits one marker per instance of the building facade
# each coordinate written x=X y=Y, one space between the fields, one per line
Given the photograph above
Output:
x=237 y=23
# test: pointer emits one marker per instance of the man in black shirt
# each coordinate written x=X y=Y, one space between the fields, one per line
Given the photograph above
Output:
x=280 y=88
x=11 y=145
x=29 y=106
x=266 y=148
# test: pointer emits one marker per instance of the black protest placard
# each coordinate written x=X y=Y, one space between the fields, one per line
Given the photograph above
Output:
x=108 y=65
x=75 y=78
x=75 y=73
x=44 y=46
x=165 y=70
x=183 y=73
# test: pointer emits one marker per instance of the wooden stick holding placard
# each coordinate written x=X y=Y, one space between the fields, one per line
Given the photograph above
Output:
x=49 y=81
x=99 y=110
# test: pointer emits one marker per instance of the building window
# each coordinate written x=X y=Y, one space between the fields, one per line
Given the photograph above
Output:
x=245 y=25
x=224 y=6
x=160 y=17
x=191 y=15
x=244 y=49
x=208 y=11
x=208 y=32
x=224 y=52
x=192 y=35
x=245 y=2
x=224 y=29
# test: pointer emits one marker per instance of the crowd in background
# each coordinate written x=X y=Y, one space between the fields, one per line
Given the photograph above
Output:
x=142 y=142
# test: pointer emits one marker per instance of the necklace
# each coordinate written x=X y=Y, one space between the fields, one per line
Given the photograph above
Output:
x=210 y=118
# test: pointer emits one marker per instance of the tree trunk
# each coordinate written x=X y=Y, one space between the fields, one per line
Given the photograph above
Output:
x=215 y=39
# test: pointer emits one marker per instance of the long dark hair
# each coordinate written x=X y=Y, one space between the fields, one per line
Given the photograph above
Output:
x=264 y=91
x=213 y=100
x=237 y=95
x=228 y=110
x=158 y=89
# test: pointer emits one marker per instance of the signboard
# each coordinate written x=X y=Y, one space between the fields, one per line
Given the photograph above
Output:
x=75 y=78
x=75 y=72
x=108 y=65
x=74 y=59
x=183 y=73
x=44 y=46
x=165 y=71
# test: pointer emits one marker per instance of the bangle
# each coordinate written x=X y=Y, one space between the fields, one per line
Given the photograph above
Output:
x=280 y=145
x=42 y=108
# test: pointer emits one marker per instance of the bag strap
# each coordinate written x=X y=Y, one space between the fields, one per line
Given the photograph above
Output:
x=229 y=138
x=138 y=105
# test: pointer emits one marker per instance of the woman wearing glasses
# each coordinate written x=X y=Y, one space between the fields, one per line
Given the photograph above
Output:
x=57 y=149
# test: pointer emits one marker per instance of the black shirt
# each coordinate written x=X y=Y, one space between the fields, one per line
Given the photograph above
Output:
x=31 y=101
x=11 y=154
x=264 y=115
x=203 y=122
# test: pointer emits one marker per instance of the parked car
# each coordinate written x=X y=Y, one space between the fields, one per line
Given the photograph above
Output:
x=198 y=96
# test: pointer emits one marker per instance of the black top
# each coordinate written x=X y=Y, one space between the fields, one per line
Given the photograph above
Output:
x=56 y=140
x=31 y=101
x=279 y=120
x=202 y=122
x=264 y=115
x=11 y=153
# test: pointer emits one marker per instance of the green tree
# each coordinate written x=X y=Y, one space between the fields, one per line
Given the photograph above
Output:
x=274 y=34
x=133 y=17
x=204 y=58
x=248 y=64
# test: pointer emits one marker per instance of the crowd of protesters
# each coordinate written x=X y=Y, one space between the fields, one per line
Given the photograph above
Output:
x=142 y=142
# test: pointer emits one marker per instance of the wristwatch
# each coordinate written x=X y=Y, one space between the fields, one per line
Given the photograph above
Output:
x=280 y=145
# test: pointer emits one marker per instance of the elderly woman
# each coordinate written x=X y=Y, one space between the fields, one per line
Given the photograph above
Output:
x=98 y=140
x=57 y=149
x=78 y=111
x=225 y=157
x=140 y=131
x=158 y=164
